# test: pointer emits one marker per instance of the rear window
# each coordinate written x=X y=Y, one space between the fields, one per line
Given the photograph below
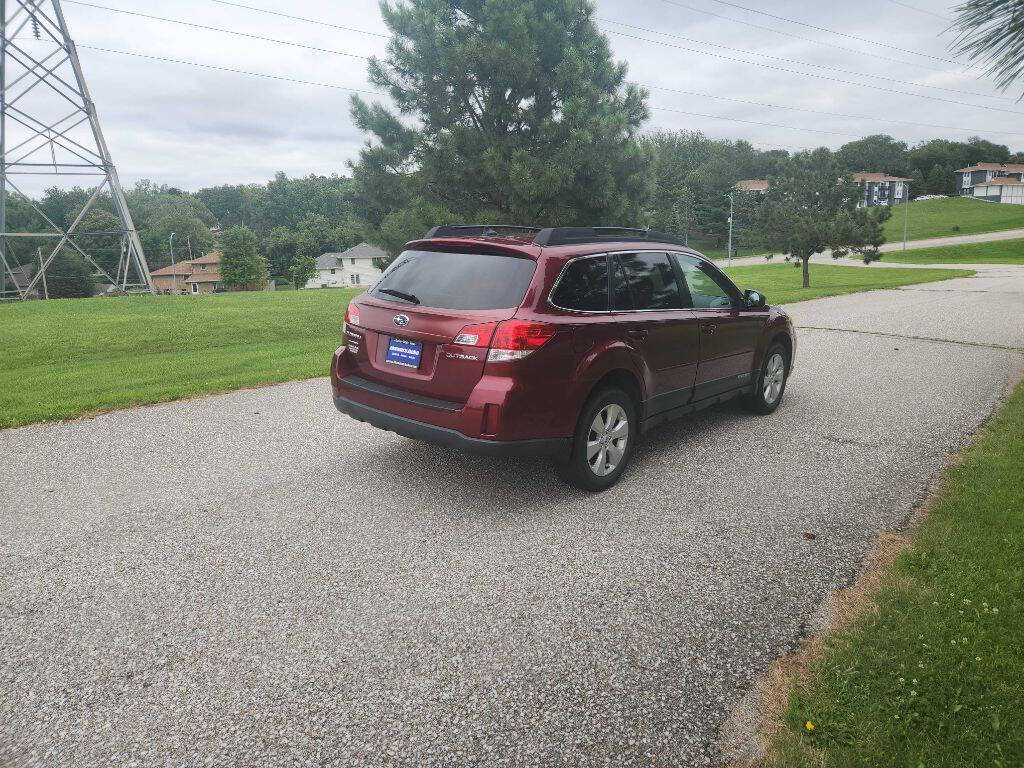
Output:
x=456 y=280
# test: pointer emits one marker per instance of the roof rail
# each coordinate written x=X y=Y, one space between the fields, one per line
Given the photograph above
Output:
x=576 y=235
x=475 y=230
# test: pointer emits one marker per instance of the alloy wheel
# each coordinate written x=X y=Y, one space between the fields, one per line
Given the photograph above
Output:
x=774 y=377
x=606 y=441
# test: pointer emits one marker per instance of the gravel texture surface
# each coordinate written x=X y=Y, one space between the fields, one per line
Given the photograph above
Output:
x=254 y=579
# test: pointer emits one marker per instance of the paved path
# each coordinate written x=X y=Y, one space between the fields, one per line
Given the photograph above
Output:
x=252 y=579
x=984 y=237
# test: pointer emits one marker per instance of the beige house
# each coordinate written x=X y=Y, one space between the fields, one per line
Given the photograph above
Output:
x=197 y=276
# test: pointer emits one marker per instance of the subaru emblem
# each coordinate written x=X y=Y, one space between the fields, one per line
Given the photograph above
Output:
x=401 y=320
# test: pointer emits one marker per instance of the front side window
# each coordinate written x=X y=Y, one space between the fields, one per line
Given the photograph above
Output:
x=651 y=280
x=583 y=286
x=707 y=288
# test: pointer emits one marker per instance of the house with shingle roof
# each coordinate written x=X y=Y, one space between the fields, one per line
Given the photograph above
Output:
x=756 y=186
x=977 y=180
x=355 y=267
x=195 y=276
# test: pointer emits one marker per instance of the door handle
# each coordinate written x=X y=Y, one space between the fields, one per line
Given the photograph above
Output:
x=709 y=328
x=638 y=333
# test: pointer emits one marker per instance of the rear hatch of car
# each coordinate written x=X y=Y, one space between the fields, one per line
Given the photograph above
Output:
x=407 y=333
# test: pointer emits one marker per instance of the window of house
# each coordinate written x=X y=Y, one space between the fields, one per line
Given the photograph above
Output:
x=202 y=267
x=195 y=287
x=332 y=271
x=651 y=280
x=353 y=261
x=583 y=286
x=354 y=279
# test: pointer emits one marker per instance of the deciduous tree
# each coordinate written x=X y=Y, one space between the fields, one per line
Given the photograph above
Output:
x=303 y=270
x=813 y=208
x=241 y=264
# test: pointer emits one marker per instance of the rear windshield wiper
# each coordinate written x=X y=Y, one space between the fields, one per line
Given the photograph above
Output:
x=400 y=294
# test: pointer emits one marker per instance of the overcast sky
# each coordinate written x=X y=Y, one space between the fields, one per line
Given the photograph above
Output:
x=193 y=127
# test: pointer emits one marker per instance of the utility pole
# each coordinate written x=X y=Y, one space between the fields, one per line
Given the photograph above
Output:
x=174 y=274
x=906 y=215
x=188 y=239
x=730 y=228
x=66 y=145
x=46 y=291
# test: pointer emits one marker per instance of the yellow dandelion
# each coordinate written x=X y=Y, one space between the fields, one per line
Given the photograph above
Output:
x=809 y=725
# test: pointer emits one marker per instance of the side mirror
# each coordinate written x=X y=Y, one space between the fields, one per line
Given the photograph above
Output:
x=754 y=300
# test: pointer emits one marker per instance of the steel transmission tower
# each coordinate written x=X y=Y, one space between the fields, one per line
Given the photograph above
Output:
x=49 y=128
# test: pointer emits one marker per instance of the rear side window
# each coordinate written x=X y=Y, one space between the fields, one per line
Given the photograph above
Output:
x=456 y=280
x=583 y=286
x=651 y=280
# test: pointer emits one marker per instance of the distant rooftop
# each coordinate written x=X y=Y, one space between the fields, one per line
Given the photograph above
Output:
x=870 y=176
x=752 y=185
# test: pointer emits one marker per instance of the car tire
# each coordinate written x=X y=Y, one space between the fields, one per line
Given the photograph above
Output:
x=606 y=433
x=770 y=384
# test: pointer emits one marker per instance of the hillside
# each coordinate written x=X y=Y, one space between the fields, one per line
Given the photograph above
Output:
x=952 y=216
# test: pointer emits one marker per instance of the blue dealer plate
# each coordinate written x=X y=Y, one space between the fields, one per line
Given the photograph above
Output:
x=405 y=353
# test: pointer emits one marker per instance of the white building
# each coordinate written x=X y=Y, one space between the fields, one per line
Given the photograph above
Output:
x=354 y=267
x=1000 y=189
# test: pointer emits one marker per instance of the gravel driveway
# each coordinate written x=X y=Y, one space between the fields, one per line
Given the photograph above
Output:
x=253 y=579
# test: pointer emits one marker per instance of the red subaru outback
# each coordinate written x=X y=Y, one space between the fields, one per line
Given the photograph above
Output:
x=570 y=342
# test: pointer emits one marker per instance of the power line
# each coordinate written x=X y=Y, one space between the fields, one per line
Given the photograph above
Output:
x=756 y=122
x=319 y=22
x=799 y=62
x=823 y=112
x=833 y=32
x=379 y=93
x=830 y=46
x=821 y=77
x=921 y=10
x=622 y=34
x=201 y=65
x=219 y=29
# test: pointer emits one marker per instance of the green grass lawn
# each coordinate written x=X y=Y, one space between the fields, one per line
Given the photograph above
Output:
x=76 y=356
x=935 y=678
x=994 y=252
x=781 y=282
x=952 y=216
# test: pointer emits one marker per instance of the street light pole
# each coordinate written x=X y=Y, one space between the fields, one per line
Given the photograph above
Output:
x=906 y=215
x=174 y=274
x=730 y=228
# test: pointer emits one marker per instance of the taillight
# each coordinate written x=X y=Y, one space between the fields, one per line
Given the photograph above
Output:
x=515 y=339
x=352 y=315
x=475 y=335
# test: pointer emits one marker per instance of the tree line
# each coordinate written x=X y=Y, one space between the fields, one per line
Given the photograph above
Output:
x=517 y=113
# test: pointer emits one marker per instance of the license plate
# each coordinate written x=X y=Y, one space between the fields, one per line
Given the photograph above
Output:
x=405 y=353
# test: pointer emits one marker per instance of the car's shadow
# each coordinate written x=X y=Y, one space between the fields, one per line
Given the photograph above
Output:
x=452 y=479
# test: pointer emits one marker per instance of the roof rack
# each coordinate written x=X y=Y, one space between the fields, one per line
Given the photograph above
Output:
x=476 y=230
x=576 y=235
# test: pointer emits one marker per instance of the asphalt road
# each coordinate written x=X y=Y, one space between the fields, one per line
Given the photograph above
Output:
x=253 y=579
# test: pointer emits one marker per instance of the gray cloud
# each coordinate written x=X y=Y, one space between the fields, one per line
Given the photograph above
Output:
x=193 y=127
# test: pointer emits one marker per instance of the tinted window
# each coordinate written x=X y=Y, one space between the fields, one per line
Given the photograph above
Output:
x=621 y=298
x=456 y=280
x=583 y=286
x=652 y=280
x=707 y=288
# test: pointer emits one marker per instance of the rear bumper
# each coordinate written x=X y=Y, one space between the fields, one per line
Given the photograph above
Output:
x=451 y=438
